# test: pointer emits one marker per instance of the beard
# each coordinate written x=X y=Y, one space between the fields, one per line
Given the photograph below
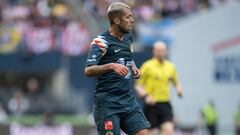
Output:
x=123 y=30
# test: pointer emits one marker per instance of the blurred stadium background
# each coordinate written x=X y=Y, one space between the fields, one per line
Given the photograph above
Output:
x=43 y=46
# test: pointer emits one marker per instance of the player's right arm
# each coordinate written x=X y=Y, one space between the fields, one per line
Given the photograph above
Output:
x=98 y=49
x=97 y=70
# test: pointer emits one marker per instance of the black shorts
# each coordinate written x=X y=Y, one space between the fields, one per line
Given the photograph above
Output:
x=158 y=113
x=109 y=120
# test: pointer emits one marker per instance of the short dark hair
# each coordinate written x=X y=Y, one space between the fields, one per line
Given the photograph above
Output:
x=115 y=10
x=112 y=15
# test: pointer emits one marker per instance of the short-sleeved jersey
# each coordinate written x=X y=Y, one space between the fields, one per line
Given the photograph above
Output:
x=156 y=78
x=112 y=89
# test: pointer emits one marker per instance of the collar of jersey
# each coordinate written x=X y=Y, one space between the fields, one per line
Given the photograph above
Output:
x=157 y=62
x=115 y=38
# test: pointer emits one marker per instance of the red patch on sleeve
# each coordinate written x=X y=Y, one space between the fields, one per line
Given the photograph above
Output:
x=98 y=43
x=108 y=125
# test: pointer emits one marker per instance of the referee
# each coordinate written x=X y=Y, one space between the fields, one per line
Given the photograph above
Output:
x=154 y=88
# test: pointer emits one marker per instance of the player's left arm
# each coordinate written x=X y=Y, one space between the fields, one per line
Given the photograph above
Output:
x=136 y=71
x=177 y=84
x=179 y=89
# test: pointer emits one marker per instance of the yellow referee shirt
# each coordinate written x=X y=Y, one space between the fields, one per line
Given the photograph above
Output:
x=156 y=78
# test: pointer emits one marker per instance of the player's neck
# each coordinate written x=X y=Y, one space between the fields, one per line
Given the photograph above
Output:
x=116 y=33
x=160 y=60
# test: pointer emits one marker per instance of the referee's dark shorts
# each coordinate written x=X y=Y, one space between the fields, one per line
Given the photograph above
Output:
x=158 y=114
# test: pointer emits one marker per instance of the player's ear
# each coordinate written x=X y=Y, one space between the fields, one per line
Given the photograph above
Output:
x=116 y=20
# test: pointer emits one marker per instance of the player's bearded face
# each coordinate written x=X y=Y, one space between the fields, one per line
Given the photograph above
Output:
x=126 y=23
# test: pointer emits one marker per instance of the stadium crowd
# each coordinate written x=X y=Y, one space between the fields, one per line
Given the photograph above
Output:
x=39 y=26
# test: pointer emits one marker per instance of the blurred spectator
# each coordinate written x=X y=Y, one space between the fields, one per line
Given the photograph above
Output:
x=12 y=12
x=43 y=8
x=35 y=96
x=3 y=114
x=10 y=38
x=32 y=86
x=237 y=121
x=209 y=114
x=40 y=39
x=146 y=11
x=60 y=10
x=18 y=104
x=75 y=39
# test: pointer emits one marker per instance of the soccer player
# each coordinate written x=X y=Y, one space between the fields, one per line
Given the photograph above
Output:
x=154 y=87
x=110 y=59
x=210 y=117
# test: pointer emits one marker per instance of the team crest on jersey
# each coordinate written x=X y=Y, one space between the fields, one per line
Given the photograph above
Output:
x=109 y=133
x=108 y=125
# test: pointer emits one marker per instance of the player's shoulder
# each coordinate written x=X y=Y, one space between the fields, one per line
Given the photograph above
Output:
x=101 y=40
x=101 y=36
x=169 y=63
x=148 y=63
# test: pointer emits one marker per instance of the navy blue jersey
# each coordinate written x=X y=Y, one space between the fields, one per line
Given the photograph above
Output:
x=112 y=90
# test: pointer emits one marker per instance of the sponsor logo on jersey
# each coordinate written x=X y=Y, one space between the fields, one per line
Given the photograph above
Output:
x=117 y=50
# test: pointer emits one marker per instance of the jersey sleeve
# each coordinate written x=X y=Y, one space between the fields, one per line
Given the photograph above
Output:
x=174 y=76
x=144 y=75
x=98 y=48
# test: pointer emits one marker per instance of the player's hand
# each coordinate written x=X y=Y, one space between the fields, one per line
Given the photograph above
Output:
x=120 y=69
x=137 y=72
x=180 y=93
x=149 y=100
